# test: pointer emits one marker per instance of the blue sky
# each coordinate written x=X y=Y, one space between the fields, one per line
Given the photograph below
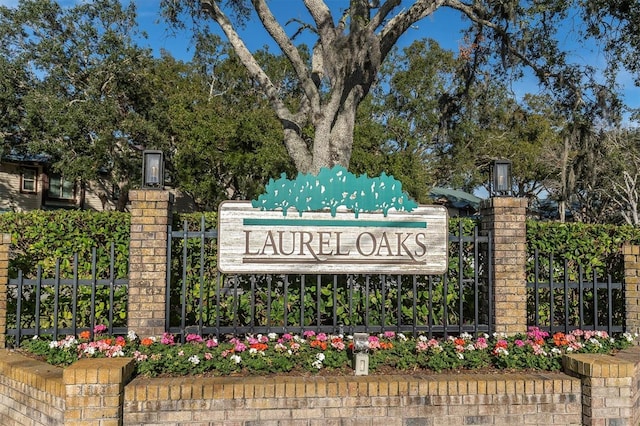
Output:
x=444 y=26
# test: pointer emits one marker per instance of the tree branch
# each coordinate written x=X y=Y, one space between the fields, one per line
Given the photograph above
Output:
x=276 y=31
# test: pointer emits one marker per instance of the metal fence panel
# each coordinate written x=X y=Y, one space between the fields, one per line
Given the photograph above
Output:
x=57 y=306
x=206 y=302
x=564 y=297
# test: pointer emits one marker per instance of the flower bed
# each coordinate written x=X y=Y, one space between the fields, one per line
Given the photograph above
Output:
x=318 y=352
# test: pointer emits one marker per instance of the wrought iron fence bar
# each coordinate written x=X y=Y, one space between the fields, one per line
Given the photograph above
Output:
x=318 y=299
x=94 y=277
x=596 y=318
x=581 y=288
x=430 y=319
x=202 y=256
x=285 y=309
x=566 y=293
x=111 y=287
x=269 y=302
x=167 y=311
x=56 y=300
x=37 y=307
x=301 y=301
x=610 y=304
x=399 y=299
x=460 y=277
x=335 y=300
x=476 y=278
x=551 y=298
x=74 y=307
x=19 y=308
x=366 y=302
x=183 y=293
x=383 y=285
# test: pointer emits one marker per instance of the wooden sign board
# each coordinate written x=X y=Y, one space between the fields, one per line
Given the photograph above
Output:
x=251 y=240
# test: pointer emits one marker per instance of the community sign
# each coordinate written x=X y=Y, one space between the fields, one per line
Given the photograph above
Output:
x=340 y=234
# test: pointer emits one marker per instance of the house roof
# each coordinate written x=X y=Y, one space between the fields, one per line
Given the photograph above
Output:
x=456 y=198
x=19 y=157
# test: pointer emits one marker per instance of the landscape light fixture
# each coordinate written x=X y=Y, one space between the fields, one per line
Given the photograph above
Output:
x=152 y=169
x=361 y=354
x=501 y=178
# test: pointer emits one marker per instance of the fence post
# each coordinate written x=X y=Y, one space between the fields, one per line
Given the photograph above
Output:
x=5 y=244
x=505 y=218
x=150 y=217
x=632 y=287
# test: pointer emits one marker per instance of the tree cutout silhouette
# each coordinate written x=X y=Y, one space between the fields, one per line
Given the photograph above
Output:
x=333 y=188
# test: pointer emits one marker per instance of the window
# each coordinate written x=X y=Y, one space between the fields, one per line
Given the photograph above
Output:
x=28 y=180
x=60 y=188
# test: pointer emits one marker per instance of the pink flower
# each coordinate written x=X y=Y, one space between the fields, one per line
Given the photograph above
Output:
x=374 y=342
x=308 y=333
x=481 y=343
x=240 y=347
x=321 y=337
x=212 y=343
x=194 y=338
x=389 y=334
x=167 y=339
x=287 y=336
x=519 y=343
x=208 y=356
x=422 y=346
x=99 y=329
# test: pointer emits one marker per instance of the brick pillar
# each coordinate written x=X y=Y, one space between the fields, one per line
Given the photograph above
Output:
x=505 y=218
x=632 y=287
x=94 y=390
x=610 y=386
x=5 y=244
x=150 y=216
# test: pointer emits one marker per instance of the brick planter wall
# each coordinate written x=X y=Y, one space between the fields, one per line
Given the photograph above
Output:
x=599 y=390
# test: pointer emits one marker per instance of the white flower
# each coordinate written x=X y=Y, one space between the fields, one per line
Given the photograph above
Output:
x=90 y=350
x=117 y=353
x=470 y=347
x=423 y=338
x=236 y=359
x=466 y=336
x=253 y=351
x=194 y=359
x=320 y=357
x=402 y=337
x=131 y=335
x=556 y=351
x=35 y=337
x=272 y=336
x=460 y=355
x=53 y=344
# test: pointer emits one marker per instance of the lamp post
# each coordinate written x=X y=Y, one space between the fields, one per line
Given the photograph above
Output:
x=152 y=169
x=501 y=184
x=361 y=355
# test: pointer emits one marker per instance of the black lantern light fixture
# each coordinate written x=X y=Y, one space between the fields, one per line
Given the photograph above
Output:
x=152 y=169
x=501 y=178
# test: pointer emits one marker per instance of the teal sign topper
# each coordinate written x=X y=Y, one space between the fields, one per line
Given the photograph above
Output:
x=334 y=188
x=345 y=225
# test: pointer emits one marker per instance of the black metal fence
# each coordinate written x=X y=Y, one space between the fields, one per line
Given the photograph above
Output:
x=66 y=303
x=205 y=302
x=563 y=295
